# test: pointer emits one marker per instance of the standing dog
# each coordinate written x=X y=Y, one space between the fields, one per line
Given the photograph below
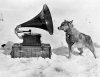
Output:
x=75 y=39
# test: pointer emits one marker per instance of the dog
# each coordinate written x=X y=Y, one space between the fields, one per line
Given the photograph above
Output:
x=76 y=39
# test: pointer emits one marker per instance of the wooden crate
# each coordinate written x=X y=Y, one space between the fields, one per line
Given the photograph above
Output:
x=31 y=51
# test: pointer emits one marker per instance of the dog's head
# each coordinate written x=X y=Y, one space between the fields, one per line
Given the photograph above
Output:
x=65 y=25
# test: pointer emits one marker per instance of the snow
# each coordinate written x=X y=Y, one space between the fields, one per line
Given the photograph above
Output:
x=57 y=66
x=85 y=14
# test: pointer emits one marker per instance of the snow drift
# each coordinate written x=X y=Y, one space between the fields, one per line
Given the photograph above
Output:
x=57 y=66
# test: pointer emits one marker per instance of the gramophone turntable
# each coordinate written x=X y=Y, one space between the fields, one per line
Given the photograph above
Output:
x=31 y=45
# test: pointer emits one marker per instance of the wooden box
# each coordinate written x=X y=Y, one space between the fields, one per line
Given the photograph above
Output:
x=43 y=50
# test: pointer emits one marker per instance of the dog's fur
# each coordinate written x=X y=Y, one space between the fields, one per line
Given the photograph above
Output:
x=76 y=39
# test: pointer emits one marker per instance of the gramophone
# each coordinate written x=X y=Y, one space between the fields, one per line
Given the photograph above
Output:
x=31 y=45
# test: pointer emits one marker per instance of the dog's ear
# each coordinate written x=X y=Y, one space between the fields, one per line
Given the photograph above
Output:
x=71 y=25
x=71 y=21
x=65 y=21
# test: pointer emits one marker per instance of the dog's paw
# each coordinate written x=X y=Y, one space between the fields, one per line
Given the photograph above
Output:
x=68 y=57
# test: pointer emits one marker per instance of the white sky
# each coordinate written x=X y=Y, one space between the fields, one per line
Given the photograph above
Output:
x=85 y=14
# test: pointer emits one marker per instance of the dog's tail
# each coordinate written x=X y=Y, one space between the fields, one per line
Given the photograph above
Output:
x=96 y=45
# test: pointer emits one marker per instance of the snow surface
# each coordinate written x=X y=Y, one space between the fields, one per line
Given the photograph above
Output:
x=57 y=66
x=85 y=14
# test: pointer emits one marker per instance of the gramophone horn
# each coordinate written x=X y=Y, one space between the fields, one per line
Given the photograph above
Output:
x=43 y=20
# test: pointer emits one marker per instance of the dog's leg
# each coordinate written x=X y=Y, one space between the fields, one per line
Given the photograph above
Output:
x=89 y=44
x=70 y=50
x=91 y=48
x=81 y=51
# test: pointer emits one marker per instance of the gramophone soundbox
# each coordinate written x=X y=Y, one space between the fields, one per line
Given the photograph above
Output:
x=31 y=39
x=43 y=50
